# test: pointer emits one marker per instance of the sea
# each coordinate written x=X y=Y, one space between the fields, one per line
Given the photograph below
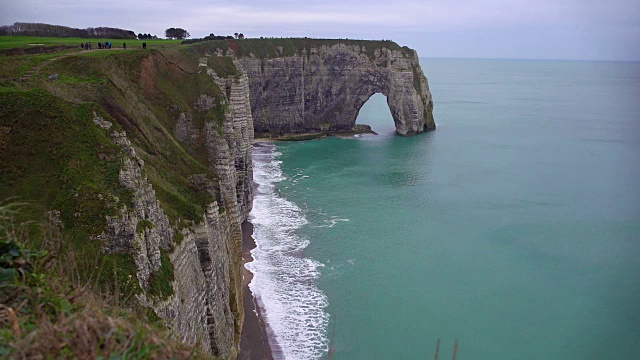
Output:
x=510 y=232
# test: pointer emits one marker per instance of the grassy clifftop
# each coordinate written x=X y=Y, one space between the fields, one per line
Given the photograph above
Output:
x=17 y=42
x=55 y=159
x=145 y=101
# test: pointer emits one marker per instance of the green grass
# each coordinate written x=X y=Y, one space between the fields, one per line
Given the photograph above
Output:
x=50 y=140
x=417 y=79
x=54 y=157
x=118 y=270
x=15 y=66
x=223 y=66
x=144 y=113
x=45 y=311
x=178 y=237
x=103 y=53
x=144 y=225
x=160 y=281
x=79 y=80
x=8 y=42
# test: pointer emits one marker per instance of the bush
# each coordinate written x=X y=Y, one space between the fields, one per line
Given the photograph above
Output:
x=44 y=314
x=40 y=29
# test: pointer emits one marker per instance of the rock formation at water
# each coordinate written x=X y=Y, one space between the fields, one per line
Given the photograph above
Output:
x=323 y=86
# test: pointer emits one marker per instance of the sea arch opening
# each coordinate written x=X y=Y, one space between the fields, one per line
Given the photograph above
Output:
x=376 y=113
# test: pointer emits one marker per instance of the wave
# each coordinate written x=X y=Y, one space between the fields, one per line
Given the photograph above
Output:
x=331 y=222
x=284 y=280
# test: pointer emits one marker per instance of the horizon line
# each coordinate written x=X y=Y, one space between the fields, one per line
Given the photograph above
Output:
x=525 y=59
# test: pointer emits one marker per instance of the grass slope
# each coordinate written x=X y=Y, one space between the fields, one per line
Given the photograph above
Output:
x=47 y=312
x=8 y=42
x=55 y=158
x=146 y=101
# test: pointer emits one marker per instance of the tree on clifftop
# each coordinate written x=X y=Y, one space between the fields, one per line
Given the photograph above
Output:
x=176 y=33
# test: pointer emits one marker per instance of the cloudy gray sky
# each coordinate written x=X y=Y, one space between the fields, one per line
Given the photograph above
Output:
x=538 y=29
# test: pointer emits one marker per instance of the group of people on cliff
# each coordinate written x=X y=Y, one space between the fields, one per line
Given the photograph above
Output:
x=101 y=45
x=106 y=45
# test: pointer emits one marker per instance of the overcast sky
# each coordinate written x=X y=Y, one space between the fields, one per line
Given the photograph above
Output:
x=540 y=29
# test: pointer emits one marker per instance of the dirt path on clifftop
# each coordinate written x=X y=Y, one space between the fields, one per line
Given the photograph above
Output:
x=29 y=73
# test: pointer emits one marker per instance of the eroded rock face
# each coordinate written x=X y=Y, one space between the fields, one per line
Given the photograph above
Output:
x=206 y=304
x=184 y=129
x=325 y=89
x=230 y=156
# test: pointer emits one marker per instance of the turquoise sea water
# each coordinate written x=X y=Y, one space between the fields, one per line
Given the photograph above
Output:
x=514 y=227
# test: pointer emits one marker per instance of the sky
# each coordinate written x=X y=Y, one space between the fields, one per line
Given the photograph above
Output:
x=526 y=29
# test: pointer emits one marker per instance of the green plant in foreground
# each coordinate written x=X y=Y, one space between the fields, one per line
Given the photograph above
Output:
x=43 y=313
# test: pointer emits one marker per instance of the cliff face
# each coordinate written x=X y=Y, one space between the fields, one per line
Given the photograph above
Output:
x=206 y=304
x=322 y=88
x=160 y=190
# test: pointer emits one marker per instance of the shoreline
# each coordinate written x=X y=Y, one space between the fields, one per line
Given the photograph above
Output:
x=257 y=338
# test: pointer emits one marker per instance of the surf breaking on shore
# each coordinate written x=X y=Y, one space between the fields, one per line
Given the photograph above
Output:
x=283 y=280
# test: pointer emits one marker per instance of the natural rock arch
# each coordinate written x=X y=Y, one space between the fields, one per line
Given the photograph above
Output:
x=375 y=113
x=323 y=89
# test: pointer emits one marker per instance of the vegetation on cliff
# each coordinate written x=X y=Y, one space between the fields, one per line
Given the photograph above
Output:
x=48 y=309
x=58 y=162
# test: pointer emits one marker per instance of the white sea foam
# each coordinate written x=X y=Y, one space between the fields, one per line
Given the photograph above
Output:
x=298 y=177
x=284 y=280
x=331 y=222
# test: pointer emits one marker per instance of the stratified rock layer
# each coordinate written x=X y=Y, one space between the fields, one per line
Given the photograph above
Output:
x=205 y=306
x=322 y=89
